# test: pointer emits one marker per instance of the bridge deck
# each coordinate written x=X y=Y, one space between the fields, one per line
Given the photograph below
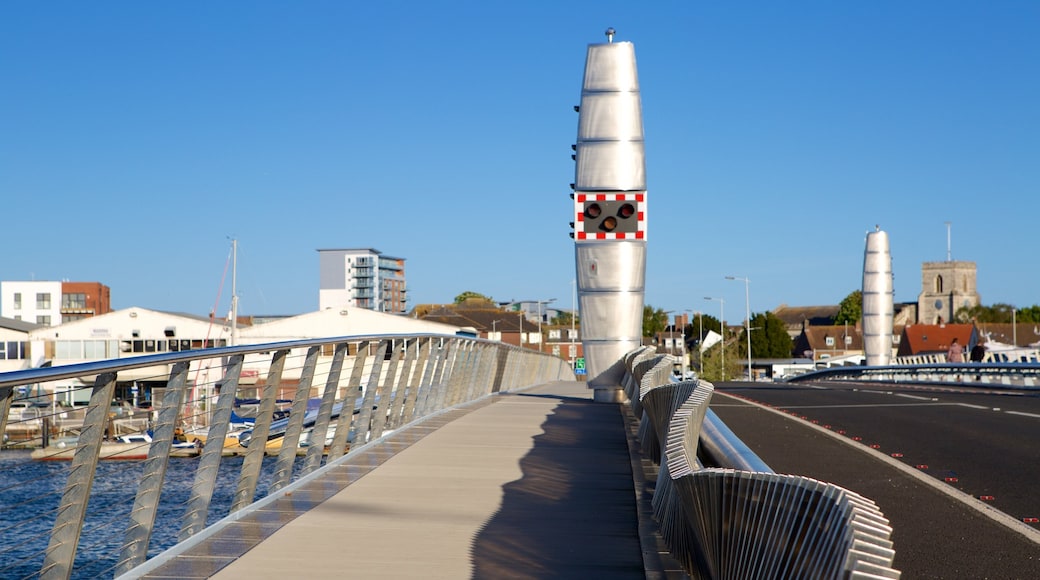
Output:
x=537 y=484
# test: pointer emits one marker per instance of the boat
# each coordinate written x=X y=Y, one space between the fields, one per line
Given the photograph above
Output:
x=125 y=447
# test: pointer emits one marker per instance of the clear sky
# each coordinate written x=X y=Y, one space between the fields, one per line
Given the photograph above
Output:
x=138 y=138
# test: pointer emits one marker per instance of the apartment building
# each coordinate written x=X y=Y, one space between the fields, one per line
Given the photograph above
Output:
x=51 y=303
x=363 y=278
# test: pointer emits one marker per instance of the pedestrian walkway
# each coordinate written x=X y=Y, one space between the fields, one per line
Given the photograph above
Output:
x=537 y=484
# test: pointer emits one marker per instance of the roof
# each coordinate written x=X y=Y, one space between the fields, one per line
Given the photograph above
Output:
x=480 y=318
x=817 y=337
x=934 y=338
x=1023 y=334
x=19 y=325
x=796 y=316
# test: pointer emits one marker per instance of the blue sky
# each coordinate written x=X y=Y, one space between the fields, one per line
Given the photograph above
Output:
x=138 y=138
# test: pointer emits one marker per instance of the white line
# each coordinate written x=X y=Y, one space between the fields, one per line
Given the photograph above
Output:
x=915 y=397
x=972 y=406
x=987 y=510
x=1022 y=414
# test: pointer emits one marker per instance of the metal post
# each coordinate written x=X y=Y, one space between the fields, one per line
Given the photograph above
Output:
x=722 y=329
x=146 y=503
x=61 y=551
x=747 y=307
x=253 y=461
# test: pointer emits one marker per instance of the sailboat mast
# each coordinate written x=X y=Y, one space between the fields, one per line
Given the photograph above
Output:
x=234 y=292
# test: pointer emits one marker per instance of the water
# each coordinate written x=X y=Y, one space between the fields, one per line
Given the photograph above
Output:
x=30 y=492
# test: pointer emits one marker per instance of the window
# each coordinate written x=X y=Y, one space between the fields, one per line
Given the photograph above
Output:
x=938 y=284
x=68 y=349
x=77 y=300
x=94 y=349
x=43 y=301
x=17 y=300
x=44 y=320
x=829 y=340
x=554 y=334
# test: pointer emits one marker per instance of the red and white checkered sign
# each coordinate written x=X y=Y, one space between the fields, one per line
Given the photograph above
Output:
x=579 y=209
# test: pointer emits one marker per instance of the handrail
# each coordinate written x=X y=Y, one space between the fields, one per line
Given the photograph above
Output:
x=389 y=380
x=735 y=518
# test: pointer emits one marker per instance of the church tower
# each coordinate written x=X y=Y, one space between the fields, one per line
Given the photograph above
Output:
x=946 y=287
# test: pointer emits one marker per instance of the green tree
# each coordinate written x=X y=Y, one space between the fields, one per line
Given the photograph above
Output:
x=712 y=363
x=998 y=313
x=469 y=294
x=563 y=318
x=769 y=338
x=654 y=320
x=850 y=309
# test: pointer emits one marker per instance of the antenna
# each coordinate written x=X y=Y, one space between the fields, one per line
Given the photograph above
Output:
x=610 y=35
x=948 y=258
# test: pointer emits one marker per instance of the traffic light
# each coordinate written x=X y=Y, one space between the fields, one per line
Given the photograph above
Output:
x=609 y=217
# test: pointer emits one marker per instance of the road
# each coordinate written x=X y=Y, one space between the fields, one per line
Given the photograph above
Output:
x=982 y=443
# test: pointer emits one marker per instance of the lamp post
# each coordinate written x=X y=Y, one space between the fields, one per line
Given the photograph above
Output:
x=700 y=340
x=540 y=303
x=494 y=329
x=747 y=307
x=722 y=328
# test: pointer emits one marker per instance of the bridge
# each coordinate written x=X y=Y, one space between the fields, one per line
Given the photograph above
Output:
x=468 y=457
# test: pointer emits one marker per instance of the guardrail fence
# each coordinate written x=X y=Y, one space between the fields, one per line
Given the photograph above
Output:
x=724 y=513
x=68 y=513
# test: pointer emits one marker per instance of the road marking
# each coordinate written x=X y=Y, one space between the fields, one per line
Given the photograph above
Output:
x=1022 y=413
x=970 y=406
x=916 y=397
x=985 y=509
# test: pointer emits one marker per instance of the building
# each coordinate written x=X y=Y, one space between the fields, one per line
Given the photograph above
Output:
x=946 y=287
x=15 y=353
x=52 y=303
x=139 y=331
x=363 y=278
x=935 y=339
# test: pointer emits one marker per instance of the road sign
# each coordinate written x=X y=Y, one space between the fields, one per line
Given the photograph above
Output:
x=579 y=366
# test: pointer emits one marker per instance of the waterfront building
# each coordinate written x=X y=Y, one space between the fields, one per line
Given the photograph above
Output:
x=52 y=303
x=14 y=344
x=363 y=278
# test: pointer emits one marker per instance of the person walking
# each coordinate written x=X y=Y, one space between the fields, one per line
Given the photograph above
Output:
x=955 y=354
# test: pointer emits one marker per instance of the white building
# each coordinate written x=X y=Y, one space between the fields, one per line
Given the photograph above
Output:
x=14 y=344
x=139 y=331
x=36 y=301
x=363 y=278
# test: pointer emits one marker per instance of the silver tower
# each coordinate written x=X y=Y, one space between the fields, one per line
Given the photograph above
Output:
x=610 y=214
x=877 y=299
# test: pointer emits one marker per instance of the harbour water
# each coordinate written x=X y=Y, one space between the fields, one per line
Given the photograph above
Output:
x=30 y=492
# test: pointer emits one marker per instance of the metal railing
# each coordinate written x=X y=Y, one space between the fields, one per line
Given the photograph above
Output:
x=1018 y=375
x=724 y=514
x=77 y=519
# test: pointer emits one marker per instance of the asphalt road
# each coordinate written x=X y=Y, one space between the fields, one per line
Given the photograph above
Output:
x=985 y=444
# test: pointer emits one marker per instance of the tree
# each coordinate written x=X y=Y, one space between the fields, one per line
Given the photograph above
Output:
x=655 y=320
x=998 y=313
x=769 y=337
x=851 y=308
x=563 y=318
x=712 y=360
x=469 y=294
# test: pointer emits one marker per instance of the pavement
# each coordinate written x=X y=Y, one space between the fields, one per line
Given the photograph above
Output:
x=537 y=484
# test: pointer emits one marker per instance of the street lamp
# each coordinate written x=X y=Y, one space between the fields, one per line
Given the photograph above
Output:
x=722 y=327
x=494 y=330
x=540 y=302
x=747 y=306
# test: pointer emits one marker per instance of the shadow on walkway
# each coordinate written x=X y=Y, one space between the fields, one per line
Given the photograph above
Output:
x=573 y=513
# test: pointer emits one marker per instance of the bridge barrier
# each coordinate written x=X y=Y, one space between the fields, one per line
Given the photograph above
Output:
x=364 y=386
x=935 y=370
x=734 y=517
